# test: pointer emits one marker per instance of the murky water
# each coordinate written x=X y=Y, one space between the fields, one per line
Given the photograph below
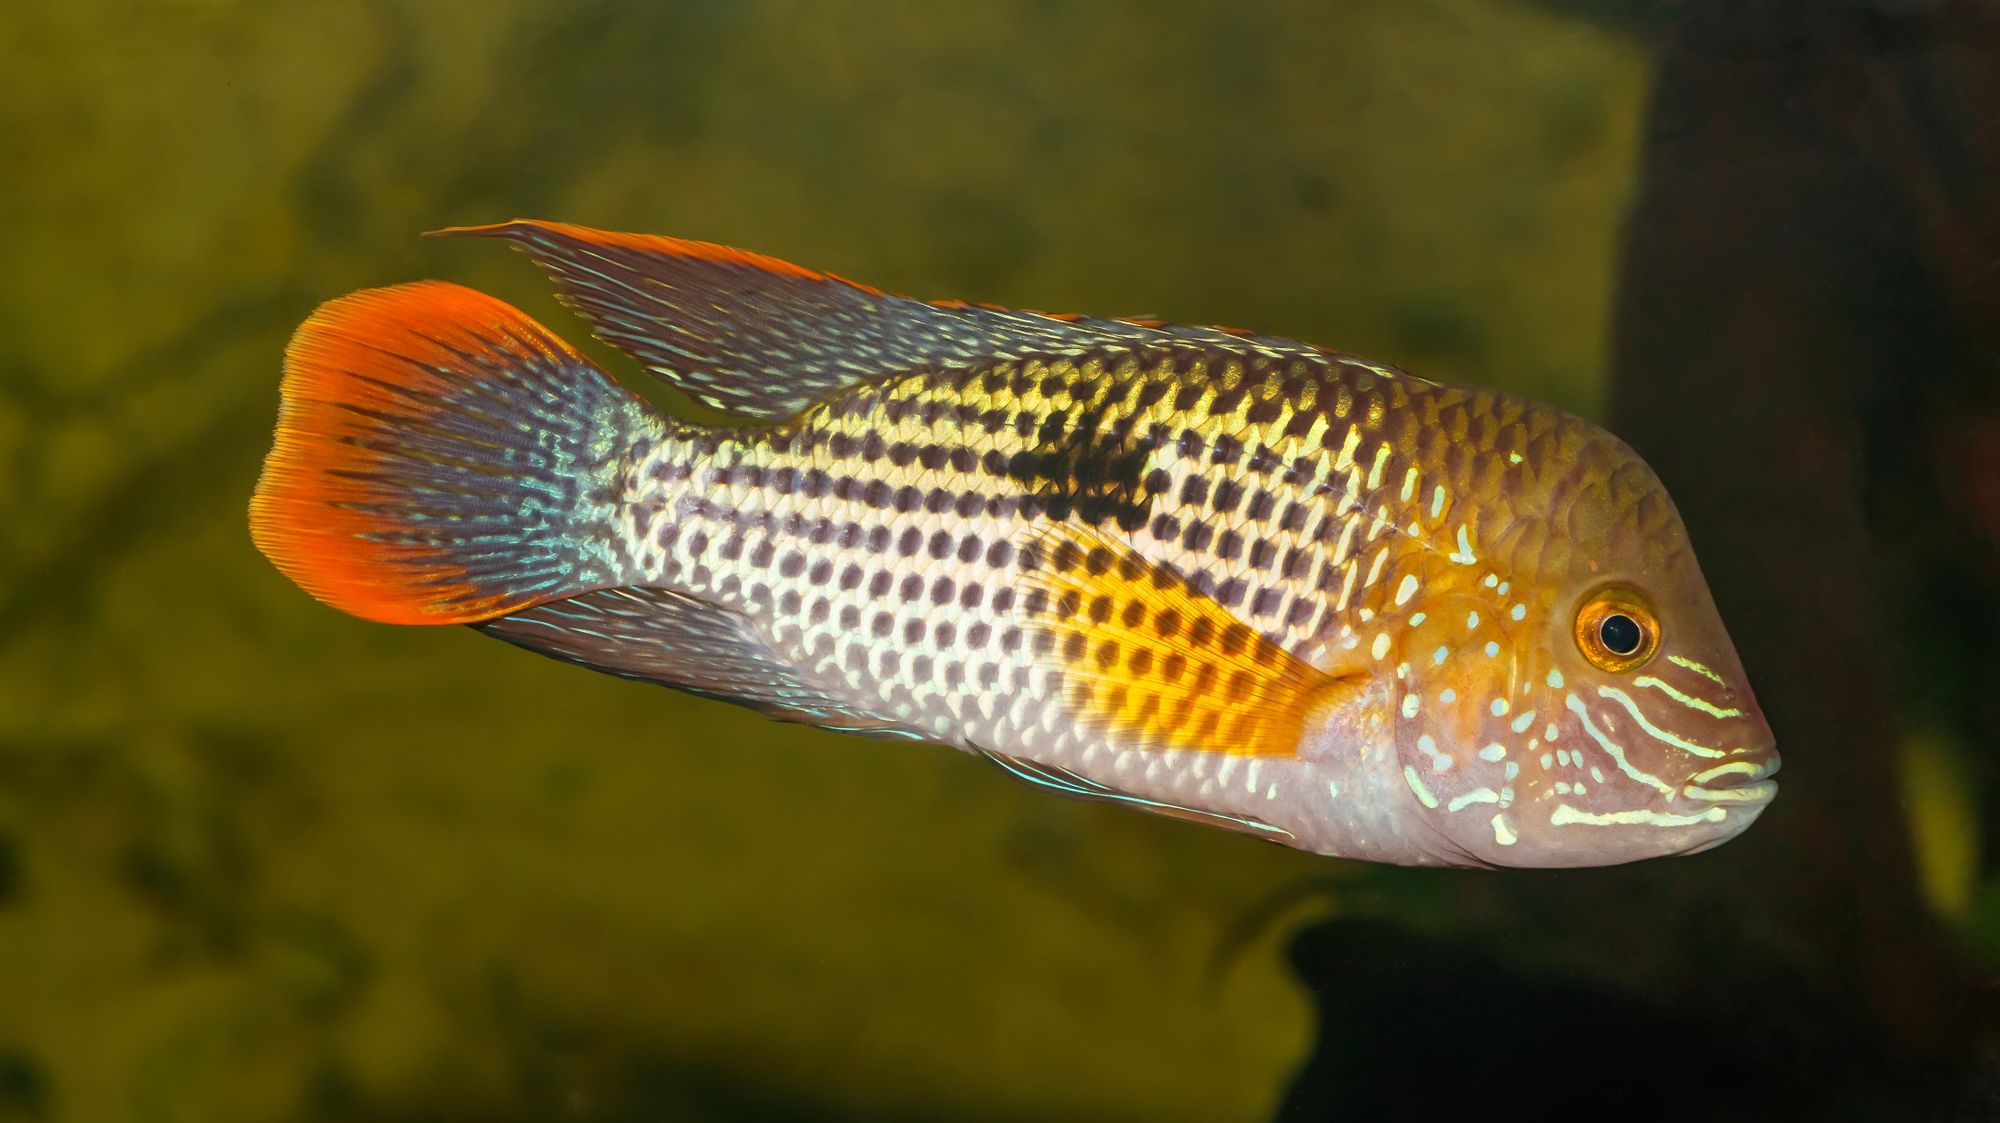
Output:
x=259 y=860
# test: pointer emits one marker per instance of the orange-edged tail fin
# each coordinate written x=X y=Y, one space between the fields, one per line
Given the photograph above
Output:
x=442 y=459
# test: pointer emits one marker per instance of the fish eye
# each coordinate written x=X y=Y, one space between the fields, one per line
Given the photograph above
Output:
x=1619 y=634
x=1616 y=629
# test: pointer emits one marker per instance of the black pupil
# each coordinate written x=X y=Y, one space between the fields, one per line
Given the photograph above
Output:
x=1619 y=634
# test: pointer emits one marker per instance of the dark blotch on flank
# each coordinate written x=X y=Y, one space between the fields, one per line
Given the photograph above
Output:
x=1099 y=476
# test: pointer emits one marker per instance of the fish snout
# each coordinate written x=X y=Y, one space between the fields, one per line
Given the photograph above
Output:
x=1743 y=778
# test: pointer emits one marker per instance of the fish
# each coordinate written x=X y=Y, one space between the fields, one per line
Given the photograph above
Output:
x=1208 y=573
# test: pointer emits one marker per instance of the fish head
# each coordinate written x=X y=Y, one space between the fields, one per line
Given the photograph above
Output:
x=1579 y=701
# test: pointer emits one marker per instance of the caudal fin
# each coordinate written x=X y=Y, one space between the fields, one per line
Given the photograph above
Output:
x=443 y=459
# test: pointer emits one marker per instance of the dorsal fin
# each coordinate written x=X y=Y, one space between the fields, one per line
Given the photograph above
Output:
x=763 y=338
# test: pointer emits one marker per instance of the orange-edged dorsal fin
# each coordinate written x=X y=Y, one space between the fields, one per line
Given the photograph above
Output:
x=1149 y=661
x=763 y=338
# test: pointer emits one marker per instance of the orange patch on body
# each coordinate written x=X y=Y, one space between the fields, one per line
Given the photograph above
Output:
x=1147 y=659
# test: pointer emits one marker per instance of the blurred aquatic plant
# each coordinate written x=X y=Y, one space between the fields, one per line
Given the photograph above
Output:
x=1944 y=820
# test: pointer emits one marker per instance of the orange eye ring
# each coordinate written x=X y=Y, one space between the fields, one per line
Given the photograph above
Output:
x=1617 y=630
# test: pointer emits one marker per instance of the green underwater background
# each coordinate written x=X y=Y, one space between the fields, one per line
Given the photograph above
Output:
x=259 y=860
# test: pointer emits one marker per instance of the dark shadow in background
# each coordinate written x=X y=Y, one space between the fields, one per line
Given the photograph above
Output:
x=1808 y=351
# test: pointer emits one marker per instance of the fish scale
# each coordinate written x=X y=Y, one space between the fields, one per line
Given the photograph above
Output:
x=902 y=489
x=1211 y=574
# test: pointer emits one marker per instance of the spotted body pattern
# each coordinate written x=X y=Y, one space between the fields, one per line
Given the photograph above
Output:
x=1223 y=576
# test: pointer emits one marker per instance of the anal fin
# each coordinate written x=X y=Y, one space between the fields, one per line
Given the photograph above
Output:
x=1065 y=783
x=657 y=635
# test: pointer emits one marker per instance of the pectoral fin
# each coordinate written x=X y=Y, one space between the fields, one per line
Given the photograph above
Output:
x=1148 y=660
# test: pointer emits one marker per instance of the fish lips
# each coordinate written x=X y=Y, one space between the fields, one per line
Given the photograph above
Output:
x=1735 y=785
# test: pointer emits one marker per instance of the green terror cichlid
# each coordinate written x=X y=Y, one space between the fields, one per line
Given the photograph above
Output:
x=1216 y=575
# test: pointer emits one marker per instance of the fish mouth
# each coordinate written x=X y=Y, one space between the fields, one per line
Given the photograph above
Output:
x=1744 y=783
